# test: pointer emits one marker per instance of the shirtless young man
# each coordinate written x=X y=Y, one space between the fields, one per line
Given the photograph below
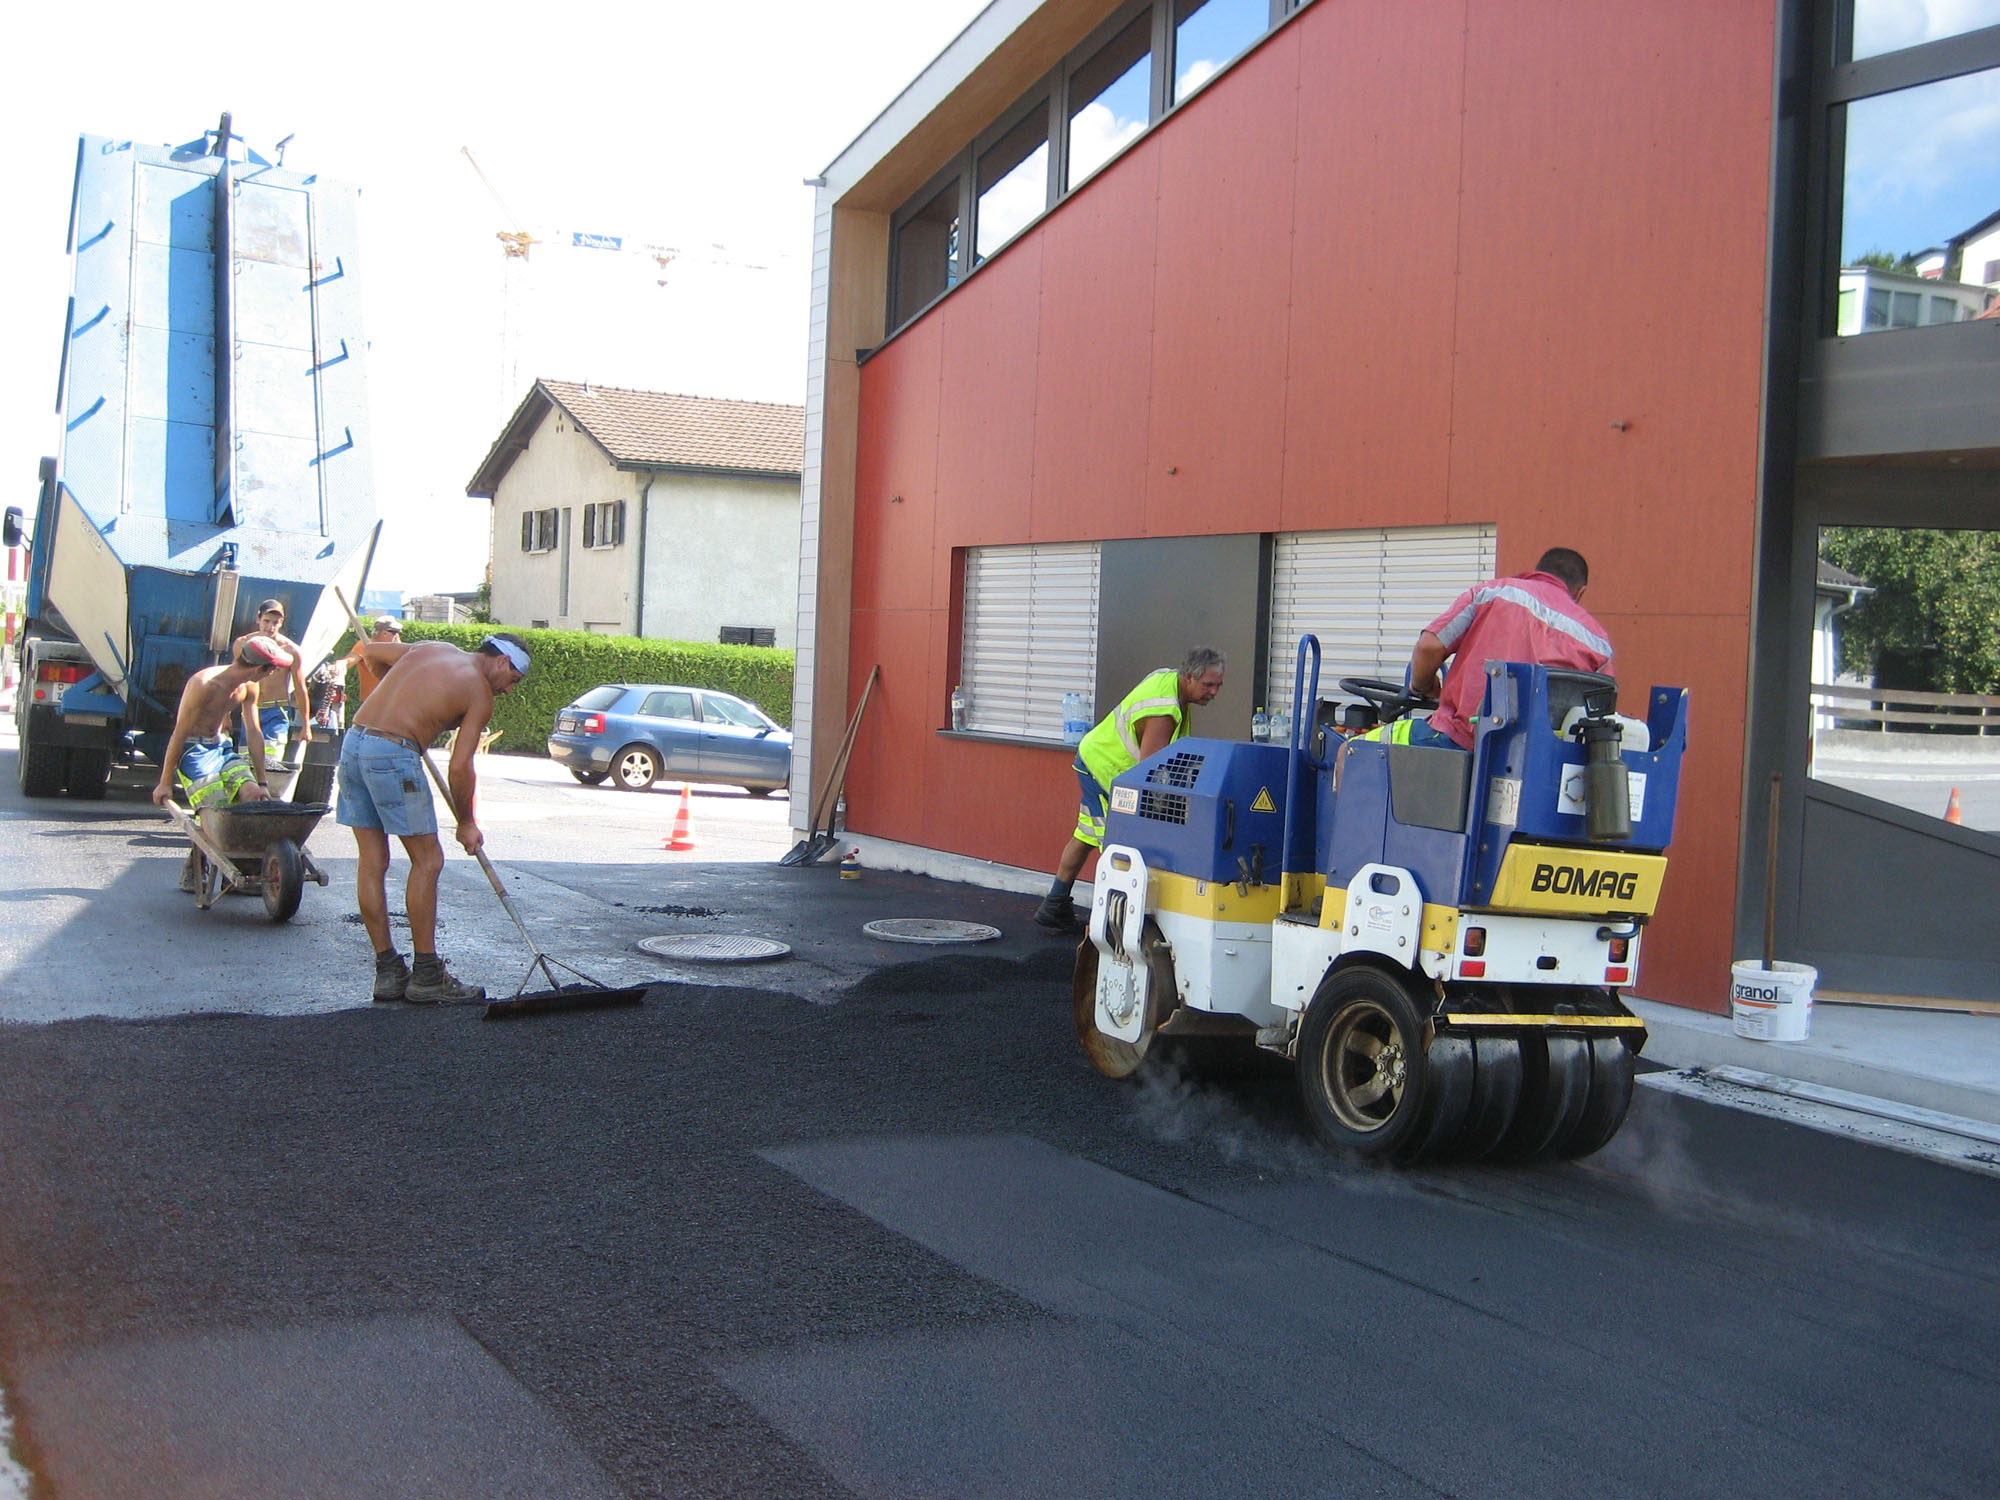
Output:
x=199 y=754
x=271 y=711
x=384 y=790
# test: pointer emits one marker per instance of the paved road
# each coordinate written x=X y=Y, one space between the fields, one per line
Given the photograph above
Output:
x=90 y=890
x=871 y=1228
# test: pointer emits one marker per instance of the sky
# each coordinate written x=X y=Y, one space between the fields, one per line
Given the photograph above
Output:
x=679 y=126
x=1922 y=164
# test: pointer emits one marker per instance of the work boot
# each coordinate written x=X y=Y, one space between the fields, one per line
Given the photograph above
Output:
x=432 y=984
x=1058 y=914
x=191 y=872
x=392 y=977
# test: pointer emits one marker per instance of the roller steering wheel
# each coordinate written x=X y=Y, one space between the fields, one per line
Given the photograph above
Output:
x=1390 y=699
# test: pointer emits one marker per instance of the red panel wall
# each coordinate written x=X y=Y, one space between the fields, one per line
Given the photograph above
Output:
x=1410 y=262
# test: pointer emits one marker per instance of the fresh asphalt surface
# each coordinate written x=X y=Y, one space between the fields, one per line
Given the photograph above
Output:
x=883 y=1233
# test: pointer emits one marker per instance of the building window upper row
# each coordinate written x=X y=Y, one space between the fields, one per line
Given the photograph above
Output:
x=1912 y=94
x=1139 y=65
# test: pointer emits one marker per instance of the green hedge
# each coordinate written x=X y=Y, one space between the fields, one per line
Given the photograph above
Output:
x=568 y=663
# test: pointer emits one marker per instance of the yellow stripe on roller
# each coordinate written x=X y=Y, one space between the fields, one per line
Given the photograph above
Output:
x=1540 y=877
x=1440 y=924
x=1212 y=900
x=1500 y=1021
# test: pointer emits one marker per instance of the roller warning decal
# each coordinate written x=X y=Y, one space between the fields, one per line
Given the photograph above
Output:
x=1262 y=801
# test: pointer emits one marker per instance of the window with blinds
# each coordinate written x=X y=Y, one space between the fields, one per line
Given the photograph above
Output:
x=1366 y=595
x=1029 y=636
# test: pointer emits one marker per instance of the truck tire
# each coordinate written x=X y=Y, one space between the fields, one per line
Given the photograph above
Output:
x=41 y=769
x=89 y=773
x=1363 y=1070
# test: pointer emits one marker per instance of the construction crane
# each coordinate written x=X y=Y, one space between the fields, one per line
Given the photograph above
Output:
x=514 y=242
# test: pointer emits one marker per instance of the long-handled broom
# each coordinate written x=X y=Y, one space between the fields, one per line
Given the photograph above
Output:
x=592 y=994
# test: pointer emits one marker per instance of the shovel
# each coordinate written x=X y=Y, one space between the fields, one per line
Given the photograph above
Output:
x=814 y=845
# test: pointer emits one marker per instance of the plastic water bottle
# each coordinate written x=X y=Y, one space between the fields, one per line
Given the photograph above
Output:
x=958 y=708
x=1076 y=717
x=1281 y=727
x=1260 y=728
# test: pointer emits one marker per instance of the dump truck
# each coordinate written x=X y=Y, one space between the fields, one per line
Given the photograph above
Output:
x=214 y=448
x=1436 y=939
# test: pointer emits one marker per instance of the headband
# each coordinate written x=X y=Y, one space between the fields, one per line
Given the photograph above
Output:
x=516 y=657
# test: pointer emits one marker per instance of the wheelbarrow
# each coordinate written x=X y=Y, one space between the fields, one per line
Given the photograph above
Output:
x=253 y=848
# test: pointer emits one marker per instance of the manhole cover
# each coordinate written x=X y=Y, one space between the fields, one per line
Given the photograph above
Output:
x=929 y=930
x=713 y=947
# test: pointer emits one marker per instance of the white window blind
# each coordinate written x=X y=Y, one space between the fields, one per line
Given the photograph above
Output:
x=1030 y=635
x=1366 y=595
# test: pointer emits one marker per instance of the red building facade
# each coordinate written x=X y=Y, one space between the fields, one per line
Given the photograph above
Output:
x=1401 y=264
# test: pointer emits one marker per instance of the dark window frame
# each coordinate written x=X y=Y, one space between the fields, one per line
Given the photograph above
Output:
x=1880 y=393
x=603 y=524
x=538 y=529
x=1050 y=93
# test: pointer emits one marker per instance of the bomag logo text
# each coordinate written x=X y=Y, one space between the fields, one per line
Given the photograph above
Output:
x=1579 y=880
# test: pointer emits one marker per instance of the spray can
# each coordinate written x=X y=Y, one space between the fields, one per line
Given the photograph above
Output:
x=850 y=865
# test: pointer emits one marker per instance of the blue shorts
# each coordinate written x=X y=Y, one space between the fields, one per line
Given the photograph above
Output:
x=275 y=722
x=382 y=786
x=212 y=772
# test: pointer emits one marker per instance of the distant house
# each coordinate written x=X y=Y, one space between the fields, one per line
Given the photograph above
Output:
x=645 y=513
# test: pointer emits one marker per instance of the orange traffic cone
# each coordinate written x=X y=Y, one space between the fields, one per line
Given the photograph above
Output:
x=680 y=838
x=1951 y=808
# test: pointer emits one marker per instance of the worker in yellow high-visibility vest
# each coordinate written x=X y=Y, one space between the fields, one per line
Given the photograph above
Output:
x=1151 y=717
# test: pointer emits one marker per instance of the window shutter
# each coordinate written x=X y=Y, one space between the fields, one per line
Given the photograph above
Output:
x=527 y=531
x=590 y=526
x=1029 y=636
x=617 y=525
x=1366 y=595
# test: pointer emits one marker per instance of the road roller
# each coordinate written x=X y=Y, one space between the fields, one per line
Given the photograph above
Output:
x=1437 y=940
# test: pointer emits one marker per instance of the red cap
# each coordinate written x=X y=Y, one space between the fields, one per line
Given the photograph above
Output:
x=262 y=651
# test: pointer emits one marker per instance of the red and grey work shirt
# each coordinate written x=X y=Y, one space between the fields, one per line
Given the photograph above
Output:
x=1529 y=617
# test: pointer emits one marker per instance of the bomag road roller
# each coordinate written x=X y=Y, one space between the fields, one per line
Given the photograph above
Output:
x=1435 y=939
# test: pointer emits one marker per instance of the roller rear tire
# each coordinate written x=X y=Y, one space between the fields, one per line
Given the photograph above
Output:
x=1555 y=1089
x=1362 y=1068
x=1611 y=1070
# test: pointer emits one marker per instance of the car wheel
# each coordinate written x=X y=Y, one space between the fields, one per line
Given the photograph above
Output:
x=589 y=778
x=635 y=768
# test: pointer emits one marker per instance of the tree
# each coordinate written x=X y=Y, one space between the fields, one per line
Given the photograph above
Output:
x=1933 y=622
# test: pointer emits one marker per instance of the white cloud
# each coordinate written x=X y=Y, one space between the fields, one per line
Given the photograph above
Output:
x=1194 y=75
x=1095 y=135
x=1888 y=25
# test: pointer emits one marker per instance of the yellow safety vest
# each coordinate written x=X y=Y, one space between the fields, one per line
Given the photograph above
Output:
x=1112 y=748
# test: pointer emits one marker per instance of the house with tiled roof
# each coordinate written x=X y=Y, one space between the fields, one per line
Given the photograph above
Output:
x=646 y=513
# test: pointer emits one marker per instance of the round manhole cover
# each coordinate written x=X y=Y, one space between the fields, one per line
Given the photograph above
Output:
x=929 y=930
x=713 y=947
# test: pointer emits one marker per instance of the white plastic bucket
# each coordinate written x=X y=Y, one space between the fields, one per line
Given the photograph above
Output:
x=1774 y=1004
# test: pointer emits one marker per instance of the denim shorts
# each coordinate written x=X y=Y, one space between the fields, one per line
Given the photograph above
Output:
x=274 y=722
x=382 y=786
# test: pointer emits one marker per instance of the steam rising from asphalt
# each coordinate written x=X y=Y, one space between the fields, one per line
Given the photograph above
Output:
x=1178 y=1108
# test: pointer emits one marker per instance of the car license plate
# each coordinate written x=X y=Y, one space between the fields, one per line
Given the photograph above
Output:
x=565 y=724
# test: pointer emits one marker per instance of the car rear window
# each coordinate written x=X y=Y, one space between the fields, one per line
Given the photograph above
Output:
x=599 y=698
